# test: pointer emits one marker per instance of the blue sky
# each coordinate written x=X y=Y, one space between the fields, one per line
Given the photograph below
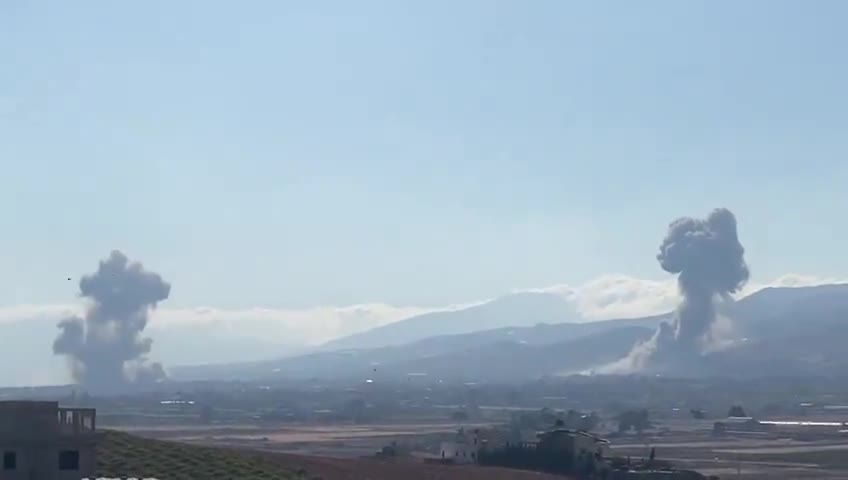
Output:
x=291 y=154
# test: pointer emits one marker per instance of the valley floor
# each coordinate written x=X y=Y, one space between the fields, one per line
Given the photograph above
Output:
x=121 y=454
x=346 y=451
x=690 y=444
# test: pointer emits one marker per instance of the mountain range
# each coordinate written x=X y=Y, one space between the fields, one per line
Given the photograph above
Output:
x=513 y=310
x=776 y=331
x=30 y=342
x=524 y=335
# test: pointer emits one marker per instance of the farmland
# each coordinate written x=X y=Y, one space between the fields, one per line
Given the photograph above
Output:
x=124 y=455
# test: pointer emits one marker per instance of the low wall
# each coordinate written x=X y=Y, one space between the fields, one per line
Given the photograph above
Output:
x=655 y=475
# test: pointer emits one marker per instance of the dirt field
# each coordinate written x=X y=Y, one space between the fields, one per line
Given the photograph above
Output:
x=359 y=469
x=315 y=432
x=335 y=452
x=123 y=455
x=339 y=448
x=744 y=458
x=338 y=441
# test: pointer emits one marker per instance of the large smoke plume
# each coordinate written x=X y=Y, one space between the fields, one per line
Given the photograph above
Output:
x=105 y=348
x=709 y=261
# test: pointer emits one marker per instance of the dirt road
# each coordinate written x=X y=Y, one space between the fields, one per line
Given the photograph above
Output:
x=365 y=469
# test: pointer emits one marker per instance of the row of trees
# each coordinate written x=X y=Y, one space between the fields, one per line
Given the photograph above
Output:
x=637 y=420
x=519 y=457
x=546 y=418
x=629 y=420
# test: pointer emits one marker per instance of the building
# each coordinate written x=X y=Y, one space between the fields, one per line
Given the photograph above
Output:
x=464 y=448
x=578 y=444
x=655 y=475
x=740 y=425
x=41 y=441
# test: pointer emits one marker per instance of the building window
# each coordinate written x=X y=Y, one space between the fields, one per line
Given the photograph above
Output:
x=10 y=461
x=69 y=460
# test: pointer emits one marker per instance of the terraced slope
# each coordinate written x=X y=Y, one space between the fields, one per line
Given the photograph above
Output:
x=124 y=455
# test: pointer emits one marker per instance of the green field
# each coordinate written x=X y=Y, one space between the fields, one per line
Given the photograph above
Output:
x=123 y=455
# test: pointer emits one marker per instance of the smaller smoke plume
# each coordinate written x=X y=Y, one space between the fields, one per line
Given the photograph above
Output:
x=709 y=261
x=105 y=348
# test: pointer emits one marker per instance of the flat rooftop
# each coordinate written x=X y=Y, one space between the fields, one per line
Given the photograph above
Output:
x=30 y=404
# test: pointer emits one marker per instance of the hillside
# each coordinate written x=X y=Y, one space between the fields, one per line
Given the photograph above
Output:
x=416 y=356
x=495 y=360
x=779 y=330
x=514 y=310
x=547 y=318
x=786 y=311
x=121 y=455
x=515 y=362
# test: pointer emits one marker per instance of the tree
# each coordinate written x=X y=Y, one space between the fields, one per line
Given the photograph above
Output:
x=590 y=422
x=771 y=409
x=459 y=416
x=633 y=419
x=736 y=411
x=572 y=419
x=580 y=421
x=207 y=414
x=547 y=416
x=356 y=409
x=698 y=414
x=513 y=397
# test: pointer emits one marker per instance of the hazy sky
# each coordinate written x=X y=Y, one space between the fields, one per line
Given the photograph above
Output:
x=293 y=154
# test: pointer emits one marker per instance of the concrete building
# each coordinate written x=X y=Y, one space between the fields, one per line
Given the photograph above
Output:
x=463 y=449
x=41 y=441
x=578 y=444
x=740 y=425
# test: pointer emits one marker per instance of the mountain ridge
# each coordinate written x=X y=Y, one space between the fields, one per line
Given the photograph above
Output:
x=767 y=319
x=506 y=311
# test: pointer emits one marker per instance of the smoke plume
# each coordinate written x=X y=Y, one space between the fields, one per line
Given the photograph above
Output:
x=105 y=348
x=709 y=261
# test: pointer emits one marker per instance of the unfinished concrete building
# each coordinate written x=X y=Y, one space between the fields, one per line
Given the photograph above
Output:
x=42 y=441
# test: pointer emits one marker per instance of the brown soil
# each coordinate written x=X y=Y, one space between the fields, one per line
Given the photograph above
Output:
x=359 y=469
x=124 y=455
